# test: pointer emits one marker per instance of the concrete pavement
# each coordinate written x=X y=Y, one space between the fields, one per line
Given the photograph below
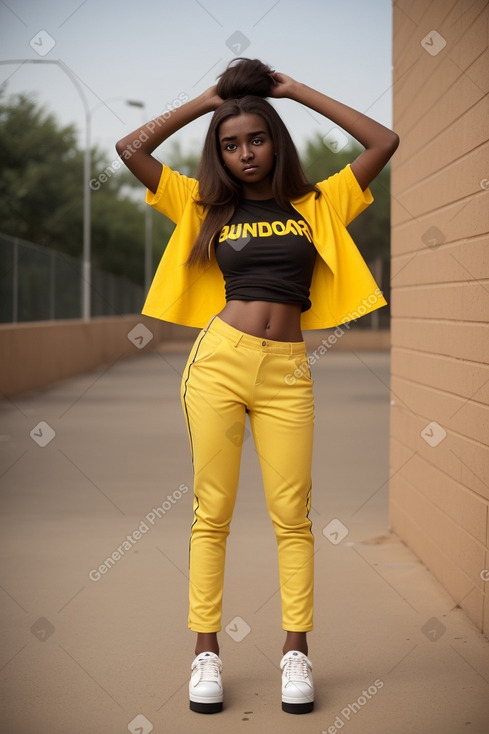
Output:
x=98 y=466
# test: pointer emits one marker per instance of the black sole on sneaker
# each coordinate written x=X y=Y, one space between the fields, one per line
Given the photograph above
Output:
x=206 y=708
x=297 y=708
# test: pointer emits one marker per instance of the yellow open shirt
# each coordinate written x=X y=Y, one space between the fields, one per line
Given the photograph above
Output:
x=342 y=287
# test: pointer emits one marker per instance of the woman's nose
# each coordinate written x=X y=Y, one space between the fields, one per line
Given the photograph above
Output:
x=246 y=153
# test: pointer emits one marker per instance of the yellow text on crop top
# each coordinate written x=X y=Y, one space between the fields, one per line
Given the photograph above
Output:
x=266 y=253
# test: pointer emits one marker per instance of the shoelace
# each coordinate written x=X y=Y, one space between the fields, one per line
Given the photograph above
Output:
x=209 y=669
x=296 y=669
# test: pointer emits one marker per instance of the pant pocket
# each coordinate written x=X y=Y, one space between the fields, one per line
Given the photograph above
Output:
x=302 y=370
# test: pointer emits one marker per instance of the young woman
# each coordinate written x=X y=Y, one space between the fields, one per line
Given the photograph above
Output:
x=258 y=254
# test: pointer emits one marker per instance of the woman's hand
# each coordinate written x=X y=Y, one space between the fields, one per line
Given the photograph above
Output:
x=137 y=147
x=212 y=98
x=284 y=85
x=379 y=142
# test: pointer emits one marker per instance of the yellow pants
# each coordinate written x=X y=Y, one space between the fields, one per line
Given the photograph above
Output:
x=228 y=374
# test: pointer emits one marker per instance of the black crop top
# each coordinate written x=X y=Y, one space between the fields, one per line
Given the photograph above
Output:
x=266 y=254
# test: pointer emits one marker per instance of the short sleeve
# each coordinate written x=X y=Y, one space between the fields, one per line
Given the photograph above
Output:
x=173 y=192
x=345 y=194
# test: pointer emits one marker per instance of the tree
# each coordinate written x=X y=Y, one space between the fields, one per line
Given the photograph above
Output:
x=41 y=192
x=41 y=175
x=371 y=230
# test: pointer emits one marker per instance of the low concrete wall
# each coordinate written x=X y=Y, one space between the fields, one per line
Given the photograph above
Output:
x=37 y=354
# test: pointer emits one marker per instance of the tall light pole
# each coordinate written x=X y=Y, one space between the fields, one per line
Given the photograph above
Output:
x=86 y=266
x=148 y=221
x=86 y=275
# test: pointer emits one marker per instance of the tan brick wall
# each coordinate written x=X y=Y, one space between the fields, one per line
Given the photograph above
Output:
x=439 y=488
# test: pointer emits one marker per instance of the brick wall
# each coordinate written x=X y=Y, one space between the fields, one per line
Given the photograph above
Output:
x=439 y=489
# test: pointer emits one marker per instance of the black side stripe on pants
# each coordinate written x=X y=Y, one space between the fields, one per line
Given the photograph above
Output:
x=187 y=420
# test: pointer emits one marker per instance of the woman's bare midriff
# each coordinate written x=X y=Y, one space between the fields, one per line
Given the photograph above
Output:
x=276 y=321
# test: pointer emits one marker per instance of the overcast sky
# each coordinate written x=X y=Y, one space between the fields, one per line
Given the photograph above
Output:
x=155 y=50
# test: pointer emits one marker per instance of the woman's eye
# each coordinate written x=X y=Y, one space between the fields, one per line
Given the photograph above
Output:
x=258 y=141
x=230 y=146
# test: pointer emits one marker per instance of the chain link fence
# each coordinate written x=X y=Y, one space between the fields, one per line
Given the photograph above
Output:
x=39 y=284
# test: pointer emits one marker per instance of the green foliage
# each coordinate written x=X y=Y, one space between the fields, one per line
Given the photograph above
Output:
x=371 y=230
x=184 y=162
x=41 y=192
x=41 y=175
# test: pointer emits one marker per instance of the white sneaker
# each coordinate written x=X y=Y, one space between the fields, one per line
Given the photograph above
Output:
x=205 y=687
x=297 y=685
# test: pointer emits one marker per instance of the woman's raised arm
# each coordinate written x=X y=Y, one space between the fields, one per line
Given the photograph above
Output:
x=136 y=148
x=380 y=143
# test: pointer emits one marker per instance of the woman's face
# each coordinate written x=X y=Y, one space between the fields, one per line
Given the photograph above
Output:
x=247 y=152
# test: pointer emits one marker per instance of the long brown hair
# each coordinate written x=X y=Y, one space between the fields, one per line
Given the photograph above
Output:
x=219 y=191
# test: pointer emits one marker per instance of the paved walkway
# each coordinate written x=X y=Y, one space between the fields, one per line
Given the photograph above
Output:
x=98 y=466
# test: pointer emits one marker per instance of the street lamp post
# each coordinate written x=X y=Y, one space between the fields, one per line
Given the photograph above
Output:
x=148 y=219
x=148 y=222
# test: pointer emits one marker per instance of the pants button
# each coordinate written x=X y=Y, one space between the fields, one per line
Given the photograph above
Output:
x=264 y=344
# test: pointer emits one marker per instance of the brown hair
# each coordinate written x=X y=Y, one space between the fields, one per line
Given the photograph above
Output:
x=243 y=85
